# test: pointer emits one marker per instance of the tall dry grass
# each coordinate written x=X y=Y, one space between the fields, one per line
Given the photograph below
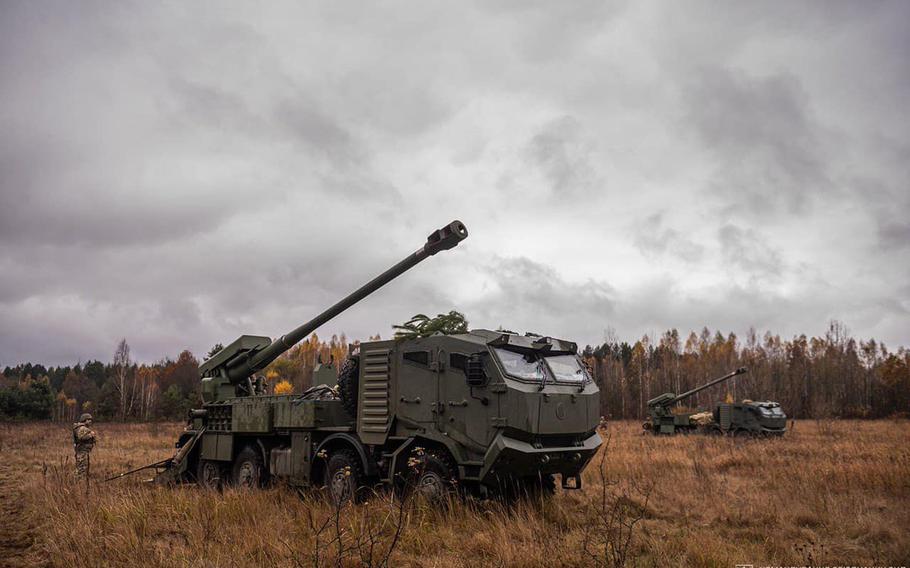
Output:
x=828 y=493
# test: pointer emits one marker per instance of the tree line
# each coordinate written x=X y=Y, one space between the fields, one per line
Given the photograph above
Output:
x=125 y=390
x=118 y=390
x=834 y=376
x=818 y=377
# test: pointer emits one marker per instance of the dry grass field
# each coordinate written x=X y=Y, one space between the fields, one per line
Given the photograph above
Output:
x=829 y=493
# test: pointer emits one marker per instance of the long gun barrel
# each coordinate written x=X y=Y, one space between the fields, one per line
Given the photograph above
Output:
x=238 y=369
x=665 y=400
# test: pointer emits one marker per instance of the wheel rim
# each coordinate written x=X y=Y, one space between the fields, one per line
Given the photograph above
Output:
x=431 y=485
x=341 y=486
x=246 y=475
x=210 y=475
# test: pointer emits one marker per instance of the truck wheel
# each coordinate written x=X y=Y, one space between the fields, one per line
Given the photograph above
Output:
x=435 y=479
x=538 y=486
x=348 y=383
x=209 y=475
x=344 y=474
x=248 y=469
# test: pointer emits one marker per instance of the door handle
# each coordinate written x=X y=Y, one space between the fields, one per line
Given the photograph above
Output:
x=462 y=402
x=413 y=400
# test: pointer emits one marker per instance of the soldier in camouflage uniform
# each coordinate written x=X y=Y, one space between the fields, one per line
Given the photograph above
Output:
x=83 y=442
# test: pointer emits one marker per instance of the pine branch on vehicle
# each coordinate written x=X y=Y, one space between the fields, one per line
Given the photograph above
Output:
x=421 y=325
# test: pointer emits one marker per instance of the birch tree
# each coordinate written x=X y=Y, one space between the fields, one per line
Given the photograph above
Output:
x=121 y=366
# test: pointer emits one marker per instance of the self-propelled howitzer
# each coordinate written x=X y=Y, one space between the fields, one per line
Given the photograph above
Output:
x=750 y=418
x=480 y=411
x=662 y=420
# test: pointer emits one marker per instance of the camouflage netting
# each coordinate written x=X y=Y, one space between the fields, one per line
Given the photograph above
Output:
x=702 y=418
x=320 y=392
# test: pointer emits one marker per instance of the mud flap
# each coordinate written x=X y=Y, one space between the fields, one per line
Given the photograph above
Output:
x=179 y=463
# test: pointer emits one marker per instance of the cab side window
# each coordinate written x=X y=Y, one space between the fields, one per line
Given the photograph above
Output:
x=458 y=361
x=421 y=358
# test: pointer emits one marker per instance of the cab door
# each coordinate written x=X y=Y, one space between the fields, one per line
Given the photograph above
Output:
x=465 y=415
x=418 y=388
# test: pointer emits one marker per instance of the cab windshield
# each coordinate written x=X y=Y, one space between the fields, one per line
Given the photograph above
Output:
x=533 y=367
x=566 y=368
x=773 y=411
x=527 y=367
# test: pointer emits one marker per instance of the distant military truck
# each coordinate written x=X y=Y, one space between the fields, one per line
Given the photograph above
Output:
x=737 y=419
x=482 y=411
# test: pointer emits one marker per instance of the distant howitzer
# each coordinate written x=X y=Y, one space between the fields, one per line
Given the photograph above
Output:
x=662 y=420
x=741 y=418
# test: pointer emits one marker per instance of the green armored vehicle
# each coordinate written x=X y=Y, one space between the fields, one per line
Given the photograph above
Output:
x=483 y=411
x=742 y=418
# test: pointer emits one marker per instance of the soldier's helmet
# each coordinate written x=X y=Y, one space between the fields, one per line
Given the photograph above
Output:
x=85 y=417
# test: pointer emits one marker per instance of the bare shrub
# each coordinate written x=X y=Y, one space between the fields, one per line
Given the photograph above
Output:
x=614 y=515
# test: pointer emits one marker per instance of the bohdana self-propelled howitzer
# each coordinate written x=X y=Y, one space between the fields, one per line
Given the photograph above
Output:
x=481 y=411
x=741 y=418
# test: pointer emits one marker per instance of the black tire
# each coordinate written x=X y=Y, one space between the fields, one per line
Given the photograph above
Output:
x=542 y=486
x=210 y=475
x=435 y=479
x=513 y=489
x=248 y=471
x=348 y=383
x=344 y=476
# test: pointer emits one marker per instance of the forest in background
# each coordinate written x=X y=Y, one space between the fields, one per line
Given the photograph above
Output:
x=834 y=376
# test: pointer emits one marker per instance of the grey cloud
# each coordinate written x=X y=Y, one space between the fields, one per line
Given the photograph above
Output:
x=653 y=239
x=532 y=296
x=292 y=117
x=563 y=155
x=182 y=176
x=317 y=130
x=550 y=31
x=49 y=199
x=747 y=251
x=765 y=140
x=662 y=304
x=894 y=234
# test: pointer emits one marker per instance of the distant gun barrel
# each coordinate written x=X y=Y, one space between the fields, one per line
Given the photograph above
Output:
x=668 y=399
x=239 y=368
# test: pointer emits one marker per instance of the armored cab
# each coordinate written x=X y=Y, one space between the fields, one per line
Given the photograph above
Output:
x=750 y=418
x=504 y=409
x=483 y=411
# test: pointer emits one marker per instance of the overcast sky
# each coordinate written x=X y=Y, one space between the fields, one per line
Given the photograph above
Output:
x=182 y=173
